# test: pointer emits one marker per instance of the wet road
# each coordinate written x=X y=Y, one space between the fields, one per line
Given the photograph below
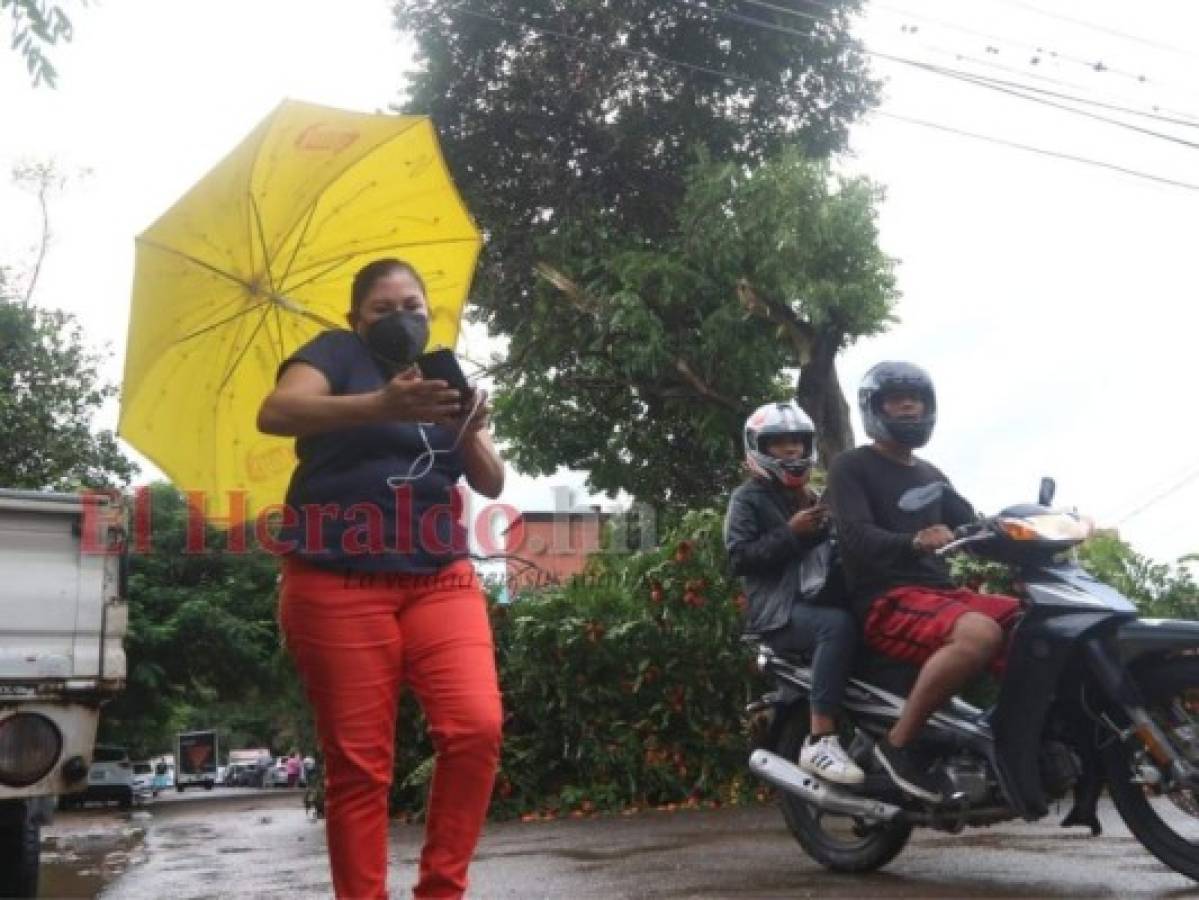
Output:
x=263 y=846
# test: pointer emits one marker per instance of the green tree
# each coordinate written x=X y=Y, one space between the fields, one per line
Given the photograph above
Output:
x=1158 y=589
x=50 y=392
x=570 y=127
x=50 y=384
x=203 y=645
x=643 y=369
x=37 y=25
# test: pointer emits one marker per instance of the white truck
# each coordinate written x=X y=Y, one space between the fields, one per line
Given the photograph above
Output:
x=62 y=620
x=196 y=760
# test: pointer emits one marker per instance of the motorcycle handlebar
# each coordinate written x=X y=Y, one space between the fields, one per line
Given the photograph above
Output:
x=962 y=535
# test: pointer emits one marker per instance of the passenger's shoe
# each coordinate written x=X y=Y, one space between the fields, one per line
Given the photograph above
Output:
x=905 y=769
x=825 y=758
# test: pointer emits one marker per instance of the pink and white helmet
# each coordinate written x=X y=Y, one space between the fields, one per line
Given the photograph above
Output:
x=773 y=420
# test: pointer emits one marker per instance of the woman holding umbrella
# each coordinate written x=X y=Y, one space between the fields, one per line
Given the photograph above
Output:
x=379 y=591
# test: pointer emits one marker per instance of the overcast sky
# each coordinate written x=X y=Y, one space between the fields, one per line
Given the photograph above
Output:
x=1053 y=302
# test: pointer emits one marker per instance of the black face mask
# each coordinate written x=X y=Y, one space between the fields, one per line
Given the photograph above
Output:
x=397 y=339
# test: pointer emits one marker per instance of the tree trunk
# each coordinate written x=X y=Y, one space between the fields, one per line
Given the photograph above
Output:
x=819 y=393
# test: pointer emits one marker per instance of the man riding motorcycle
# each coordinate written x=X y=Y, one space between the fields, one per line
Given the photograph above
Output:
x=1093 y=699
x=901 y=590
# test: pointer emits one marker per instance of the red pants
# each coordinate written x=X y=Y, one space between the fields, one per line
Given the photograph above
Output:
x=912 y=623
x=355 y=641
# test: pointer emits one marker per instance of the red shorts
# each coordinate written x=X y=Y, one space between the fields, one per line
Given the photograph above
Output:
x=912 y=623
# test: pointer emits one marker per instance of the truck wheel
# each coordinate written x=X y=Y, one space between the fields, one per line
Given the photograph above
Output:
x=208 y=785
x=126 y=800
x=179 y=788
x=20 y=849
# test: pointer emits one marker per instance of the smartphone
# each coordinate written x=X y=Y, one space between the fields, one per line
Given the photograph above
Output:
x=442 y=365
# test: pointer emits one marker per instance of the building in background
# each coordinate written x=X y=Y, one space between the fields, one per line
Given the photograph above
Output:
x=547 y=548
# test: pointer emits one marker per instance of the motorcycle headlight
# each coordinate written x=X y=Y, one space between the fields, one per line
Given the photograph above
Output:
x=1048 y=527
x=29 y=746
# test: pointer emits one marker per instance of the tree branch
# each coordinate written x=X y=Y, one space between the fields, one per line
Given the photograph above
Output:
x=702 y=388
x=801 y=334
x=589 y=305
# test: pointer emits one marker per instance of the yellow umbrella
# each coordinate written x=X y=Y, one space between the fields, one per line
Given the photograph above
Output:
x=256 y=259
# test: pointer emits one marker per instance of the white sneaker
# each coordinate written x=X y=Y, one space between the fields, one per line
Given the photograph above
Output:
x=826 y=759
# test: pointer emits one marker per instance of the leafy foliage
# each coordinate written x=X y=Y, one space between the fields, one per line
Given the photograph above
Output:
x=50 y=389
x=37 y=25
x=203 y=646
x=543 y=131
x=625 y=688
x=1158 y=589
x=642 y=371
x=571 y=128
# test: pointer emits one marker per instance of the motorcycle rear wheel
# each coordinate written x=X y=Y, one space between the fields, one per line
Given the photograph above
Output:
x=1166 y=824
x=838 y=842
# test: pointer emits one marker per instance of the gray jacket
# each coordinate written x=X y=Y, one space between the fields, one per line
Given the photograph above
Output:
x=765 y=552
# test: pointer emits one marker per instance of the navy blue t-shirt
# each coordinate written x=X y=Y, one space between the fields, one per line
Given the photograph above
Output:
x=344 y=514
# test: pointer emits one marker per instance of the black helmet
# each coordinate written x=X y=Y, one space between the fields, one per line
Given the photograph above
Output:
x=891 y=376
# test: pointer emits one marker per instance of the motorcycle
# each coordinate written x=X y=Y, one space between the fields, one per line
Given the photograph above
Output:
x=1091 y=695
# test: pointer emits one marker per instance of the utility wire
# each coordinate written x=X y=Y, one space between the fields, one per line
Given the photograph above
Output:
x=1096 y=65
x=1161 y=495
x=740 y=79
x=992 y=84
x=1156 y=112
x=1016 y=145
x=1191 y=119
x=1103 y=29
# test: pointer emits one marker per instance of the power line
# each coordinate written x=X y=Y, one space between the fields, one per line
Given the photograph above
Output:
x=1161 y=495
x=1016 y=145
x=740 y=79
x=978 y=80
x=1156 y=111
x=1096 y=65
x=1103 y=29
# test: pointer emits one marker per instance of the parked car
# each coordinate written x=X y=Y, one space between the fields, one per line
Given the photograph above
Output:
x=109 y=779
x=243 y=774
x=143 y=780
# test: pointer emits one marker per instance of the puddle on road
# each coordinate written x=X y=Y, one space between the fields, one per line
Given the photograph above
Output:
x=79 y=858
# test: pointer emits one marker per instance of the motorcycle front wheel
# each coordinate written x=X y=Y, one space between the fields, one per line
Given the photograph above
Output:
x=1165 y=822
x=837 y=841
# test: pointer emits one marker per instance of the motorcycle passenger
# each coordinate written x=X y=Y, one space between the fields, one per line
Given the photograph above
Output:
x=900 y=589
x=775 y=533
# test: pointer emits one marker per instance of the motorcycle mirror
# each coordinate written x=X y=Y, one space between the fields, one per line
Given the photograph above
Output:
x=1048 y=489
x=917 y=498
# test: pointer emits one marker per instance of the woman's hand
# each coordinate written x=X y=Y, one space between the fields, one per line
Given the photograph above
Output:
x=409 y=398
x=478 y=413
x=810 y=521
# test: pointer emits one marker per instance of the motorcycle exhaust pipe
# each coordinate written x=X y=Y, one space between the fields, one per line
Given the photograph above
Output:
x=791 y=778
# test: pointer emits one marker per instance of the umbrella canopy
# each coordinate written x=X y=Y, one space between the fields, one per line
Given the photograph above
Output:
x=256 y=259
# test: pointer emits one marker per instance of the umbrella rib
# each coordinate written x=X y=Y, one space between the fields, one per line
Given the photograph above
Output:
x=331 y=181
x=322 y=273
x=225 y=321
x=295 y=250
x=244 y=350
x=345 y=259
x=266 y=254
x=278 y=335
x=199 y=262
